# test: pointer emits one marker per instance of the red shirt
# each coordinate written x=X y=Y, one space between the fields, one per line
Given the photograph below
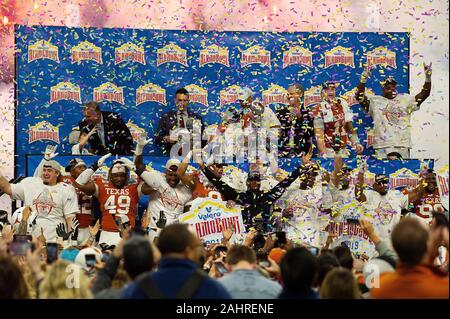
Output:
x=333 y=115
x=117 y=201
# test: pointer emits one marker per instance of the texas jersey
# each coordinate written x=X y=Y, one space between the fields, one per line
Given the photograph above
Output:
x=331 y=117
x=117 y=201
x=425 y=206
x=84 y=216
x=203 y=187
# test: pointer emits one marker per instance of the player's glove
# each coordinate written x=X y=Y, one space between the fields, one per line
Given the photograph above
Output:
x=127 y=163
x=140 y=144
x=100 y=162
x=49 y=153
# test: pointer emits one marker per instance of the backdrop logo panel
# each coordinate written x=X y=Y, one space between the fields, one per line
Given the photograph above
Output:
x=136 y=72
x=86 y=51
x=297 y=55
x=43 y=50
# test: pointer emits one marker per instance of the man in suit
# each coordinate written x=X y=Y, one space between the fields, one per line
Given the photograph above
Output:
x=111 y=134
x=296 y=124
x=180 y=120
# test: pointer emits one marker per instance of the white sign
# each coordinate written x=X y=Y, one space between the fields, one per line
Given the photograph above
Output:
x=210 y=216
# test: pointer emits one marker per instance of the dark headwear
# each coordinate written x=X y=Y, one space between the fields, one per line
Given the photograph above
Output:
x=254 y=176
x=389 y=80
x=73 y=163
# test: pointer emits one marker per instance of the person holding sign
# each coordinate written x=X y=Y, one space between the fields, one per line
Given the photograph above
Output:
x=254 y=200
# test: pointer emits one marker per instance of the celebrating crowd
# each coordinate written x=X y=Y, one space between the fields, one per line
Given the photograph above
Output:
x=79 y=235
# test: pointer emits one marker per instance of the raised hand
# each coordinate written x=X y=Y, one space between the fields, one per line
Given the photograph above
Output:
x=145 y=221
x=50 y=152
x=140 y=143
x=366 y=226
x=359 y=148
x=84 y=139
x=142 y=140
x=227 y=234
x=198 y=156
x=102 y=159
x=366 y=73
x=248 y=241
x=95 y=229
x=41 y=237
x=307 y=157
x=127 y=163
x=74 y=231
x=62 y=232
x=427 y=69
x=363 y=164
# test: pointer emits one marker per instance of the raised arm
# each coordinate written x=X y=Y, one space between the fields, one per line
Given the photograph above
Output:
x=186 y=179
x=426 y=89
x=359 y=187
x=418 y=192
x=280 y=188
x=227 y=191
x=360 y=95
x=49 y=154
x=84 y=182
x=140 y=144
x=338 y=164
x=320 y=136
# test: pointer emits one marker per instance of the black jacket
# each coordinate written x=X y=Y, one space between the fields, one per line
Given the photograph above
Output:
x=167 y=123
x=254 y=203
x=118 y=139
x=303 y=133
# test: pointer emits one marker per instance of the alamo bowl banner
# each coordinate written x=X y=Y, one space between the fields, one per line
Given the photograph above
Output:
x=210 y=216
x=136 y=72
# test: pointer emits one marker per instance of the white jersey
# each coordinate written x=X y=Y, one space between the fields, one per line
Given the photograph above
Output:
x=385 y=209
x=344 y=204
x=168 y=199
x=391 y=120
x=52 y=204
x=269 y=119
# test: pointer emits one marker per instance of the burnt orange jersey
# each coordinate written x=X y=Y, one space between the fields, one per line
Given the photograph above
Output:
x=84 y=216
x=331 y=116
x=203 y=188
x=117 y=201
x=429 y=203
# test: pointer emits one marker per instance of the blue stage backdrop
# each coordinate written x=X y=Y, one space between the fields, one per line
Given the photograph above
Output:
x=136 y=72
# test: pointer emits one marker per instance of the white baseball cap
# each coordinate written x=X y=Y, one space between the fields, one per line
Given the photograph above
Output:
x=172 y=162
